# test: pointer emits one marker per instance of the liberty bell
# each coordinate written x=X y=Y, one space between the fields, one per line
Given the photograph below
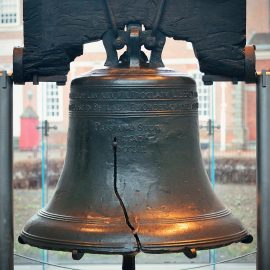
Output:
x=133 y=178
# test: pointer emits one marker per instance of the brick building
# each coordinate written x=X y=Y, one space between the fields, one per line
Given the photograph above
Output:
x=234 y=108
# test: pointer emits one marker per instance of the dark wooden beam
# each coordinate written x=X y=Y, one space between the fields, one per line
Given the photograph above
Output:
x=55 y=31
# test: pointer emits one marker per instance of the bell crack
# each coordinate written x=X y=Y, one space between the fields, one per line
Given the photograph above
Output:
x=131 y=227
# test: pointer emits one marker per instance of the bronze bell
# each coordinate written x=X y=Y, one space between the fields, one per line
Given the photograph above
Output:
x=133 y=178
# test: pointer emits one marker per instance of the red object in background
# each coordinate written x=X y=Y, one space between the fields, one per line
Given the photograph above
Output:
x=29 y=138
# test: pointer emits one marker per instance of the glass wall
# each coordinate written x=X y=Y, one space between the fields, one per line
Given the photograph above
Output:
x=227 y=120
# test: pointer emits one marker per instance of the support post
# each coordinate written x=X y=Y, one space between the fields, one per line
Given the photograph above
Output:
x=263 y=171
x=128 y=262
x=6 y=191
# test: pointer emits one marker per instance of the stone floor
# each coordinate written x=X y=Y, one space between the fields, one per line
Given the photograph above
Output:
x=143 y=267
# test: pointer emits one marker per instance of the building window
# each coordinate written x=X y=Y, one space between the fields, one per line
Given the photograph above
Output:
x=203 y=96
x=8 y=12
x=53 y=102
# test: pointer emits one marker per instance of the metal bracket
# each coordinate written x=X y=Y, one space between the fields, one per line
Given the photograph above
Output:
x=210 y=79
x=134 y=46
x=151 y=40
x=134 y=38
x=59 y=79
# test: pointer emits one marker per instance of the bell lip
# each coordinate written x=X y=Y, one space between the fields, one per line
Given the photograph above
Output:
x=47 y=243
x=157 y=248
x=118 y=241
x=201 y=244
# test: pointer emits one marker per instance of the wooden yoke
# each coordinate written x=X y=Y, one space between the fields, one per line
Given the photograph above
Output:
x=55 y=31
